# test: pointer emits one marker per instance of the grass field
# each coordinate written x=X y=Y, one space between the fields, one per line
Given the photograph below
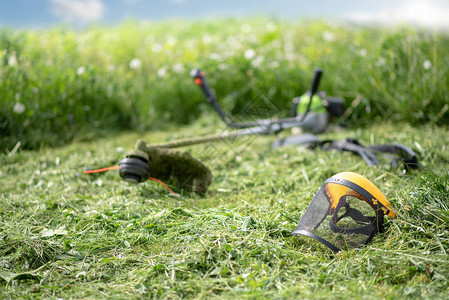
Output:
x=56 y=85
x=64 y=234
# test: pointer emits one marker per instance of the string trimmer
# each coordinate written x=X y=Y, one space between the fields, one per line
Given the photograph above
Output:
x=165 y=163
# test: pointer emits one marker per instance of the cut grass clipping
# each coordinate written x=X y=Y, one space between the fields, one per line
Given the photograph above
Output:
x=68 y=235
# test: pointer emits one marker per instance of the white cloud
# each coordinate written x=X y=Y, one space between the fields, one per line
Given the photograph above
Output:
x=78 y=11
x=432 y=14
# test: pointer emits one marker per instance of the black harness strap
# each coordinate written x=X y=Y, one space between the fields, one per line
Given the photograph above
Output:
x=403 y=154
x=353 y=146
x=395 y=152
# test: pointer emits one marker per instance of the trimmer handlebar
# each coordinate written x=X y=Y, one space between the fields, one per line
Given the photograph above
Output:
x=313 y=89
x=316 y=81
x=268 y=126
x=200 y=80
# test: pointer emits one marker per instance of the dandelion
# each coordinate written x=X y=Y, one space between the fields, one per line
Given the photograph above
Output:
x=246 y=28
x=270 y=27
x=19 y=108
x=328 y=36
x=215 y=56
x=427 y=65
x=190 y=44
x=257 y=61
x=156 y=48
x=162 y=72
x=363 y=52
x=276 y=43
x=135 y=63
x=171 y=41
x=290 y=56
x=249 y=54
x=222 y=67
x=309 y=40
x=12 y=60
x=207 y=39
x=178 y=68
x=81 y=274
x=380 y=62
x=274 y=64
x=233 y=43
x=81 y=70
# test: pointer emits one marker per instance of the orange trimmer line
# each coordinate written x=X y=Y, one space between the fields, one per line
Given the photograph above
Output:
x=101 y=170
x=118 y=167
x=165 y=186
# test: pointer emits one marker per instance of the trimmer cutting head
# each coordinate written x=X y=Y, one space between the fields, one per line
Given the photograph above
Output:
x=134 y=169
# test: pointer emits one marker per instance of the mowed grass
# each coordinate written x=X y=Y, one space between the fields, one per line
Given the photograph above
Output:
x=69 y=235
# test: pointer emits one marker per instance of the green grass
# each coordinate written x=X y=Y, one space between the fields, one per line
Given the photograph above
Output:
x=68 y=235
x=64 y=234
x=67 y=84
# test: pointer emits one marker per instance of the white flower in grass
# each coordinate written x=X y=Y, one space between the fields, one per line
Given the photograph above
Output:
x=249 y=54
x=233 y=43
x=274 y=64
x=328 y=36
x=246 y=28
x=363 y=52
x=427 y=65
x=81 y=274
x=171 y=41
x=178 y=68
x=12 y=60
x=207 y=39
x=222 y=67
x=270 y=27
x=162 y=72
x=19 y=108
x=135 y=64
x=380 y=62
x=257 y=61
x=215 y=56
x=156 y=48
x=81 y=70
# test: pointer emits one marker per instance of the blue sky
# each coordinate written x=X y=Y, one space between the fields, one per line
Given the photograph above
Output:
x=25 y=14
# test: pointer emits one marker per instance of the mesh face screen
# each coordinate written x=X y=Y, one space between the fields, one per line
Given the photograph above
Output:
x=339 y=216
x=315 y=213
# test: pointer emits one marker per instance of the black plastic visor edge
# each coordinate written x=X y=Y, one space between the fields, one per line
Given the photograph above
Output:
x=314 y=236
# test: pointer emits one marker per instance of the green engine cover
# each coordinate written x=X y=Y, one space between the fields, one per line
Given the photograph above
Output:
x=316 y=106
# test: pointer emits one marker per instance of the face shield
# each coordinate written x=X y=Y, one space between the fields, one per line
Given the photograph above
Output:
x=345 y=213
